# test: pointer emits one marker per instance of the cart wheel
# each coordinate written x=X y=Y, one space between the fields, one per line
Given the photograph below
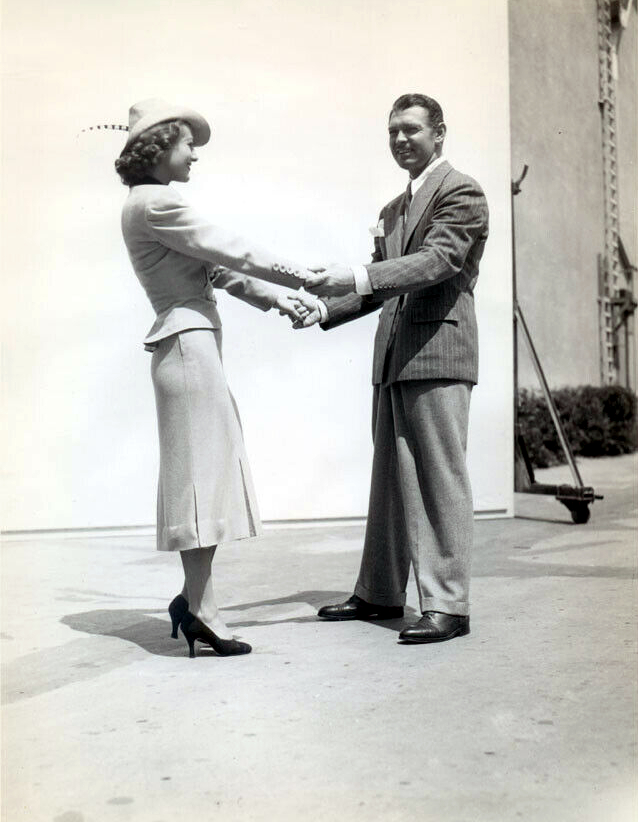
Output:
x=580 y=513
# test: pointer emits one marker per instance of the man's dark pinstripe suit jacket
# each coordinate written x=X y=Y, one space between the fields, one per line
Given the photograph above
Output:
x=432 y=258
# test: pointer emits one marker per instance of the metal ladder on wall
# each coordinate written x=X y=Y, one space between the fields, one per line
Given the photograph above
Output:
x=609 y=263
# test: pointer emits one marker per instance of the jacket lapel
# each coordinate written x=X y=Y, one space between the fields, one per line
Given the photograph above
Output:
x=421 y=200
x=393 y=219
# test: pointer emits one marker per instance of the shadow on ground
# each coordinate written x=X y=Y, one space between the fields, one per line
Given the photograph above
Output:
x=78 y=660
x=313 y=598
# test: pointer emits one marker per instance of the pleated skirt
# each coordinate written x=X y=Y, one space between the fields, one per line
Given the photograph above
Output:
x=205 y=491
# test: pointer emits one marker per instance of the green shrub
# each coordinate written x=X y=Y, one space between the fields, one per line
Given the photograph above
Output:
x=598 y=421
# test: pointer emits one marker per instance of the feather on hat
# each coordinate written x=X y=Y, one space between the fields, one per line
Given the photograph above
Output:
x=149 y=113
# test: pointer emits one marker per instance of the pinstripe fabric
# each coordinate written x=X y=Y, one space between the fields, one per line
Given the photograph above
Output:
x=434 y=262
x=425 y=363
x=420 y=509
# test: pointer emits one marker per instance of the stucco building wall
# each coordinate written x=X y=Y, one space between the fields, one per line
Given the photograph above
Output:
x=556 y=130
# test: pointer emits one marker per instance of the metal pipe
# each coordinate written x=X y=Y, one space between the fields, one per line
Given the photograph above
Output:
x=548 y=397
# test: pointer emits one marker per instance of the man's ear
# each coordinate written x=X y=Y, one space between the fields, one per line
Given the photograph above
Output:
x=441 y=130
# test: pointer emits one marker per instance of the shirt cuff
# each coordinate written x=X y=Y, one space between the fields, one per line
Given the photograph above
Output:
x=361 y=280
x=323 y=311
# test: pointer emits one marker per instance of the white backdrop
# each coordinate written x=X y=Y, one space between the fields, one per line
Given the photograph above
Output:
x=298 y=95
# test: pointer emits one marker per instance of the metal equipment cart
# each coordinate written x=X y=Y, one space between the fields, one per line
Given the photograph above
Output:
x=578 y=497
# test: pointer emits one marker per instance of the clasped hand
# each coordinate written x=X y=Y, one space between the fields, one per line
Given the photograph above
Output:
x=333 y=281
x=301 y=308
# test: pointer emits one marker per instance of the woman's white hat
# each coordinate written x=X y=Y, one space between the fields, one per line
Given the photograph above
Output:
x=149 y=113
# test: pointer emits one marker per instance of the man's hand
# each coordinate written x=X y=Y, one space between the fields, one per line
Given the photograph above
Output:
x=333 y=281
x=308 y=309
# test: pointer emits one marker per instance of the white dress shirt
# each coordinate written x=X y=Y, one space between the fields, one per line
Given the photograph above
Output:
x=361 y=279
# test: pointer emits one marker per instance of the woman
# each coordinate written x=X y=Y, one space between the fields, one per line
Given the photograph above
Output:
x=205 y=493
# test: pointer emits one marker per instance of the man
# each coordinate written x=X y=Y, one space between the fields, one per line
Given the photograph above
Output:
x=428 y=244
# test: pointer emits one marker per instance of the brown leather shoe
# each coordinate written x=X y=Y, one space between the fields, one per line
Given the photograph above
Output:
x=435 y=626
x=357 y=608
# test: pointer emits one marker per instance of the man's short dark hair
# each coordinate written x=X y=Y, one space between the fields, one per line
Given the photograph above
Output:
x=428 y=103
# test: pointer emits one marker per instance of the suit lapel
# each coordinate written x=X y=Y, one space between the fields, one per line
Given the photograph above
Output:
x=421 y=200
x=393 y=218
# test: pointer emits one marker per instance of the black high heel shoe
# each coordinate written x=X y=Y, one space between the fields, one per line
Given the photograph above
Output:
x=177 y=611
x=194 y=628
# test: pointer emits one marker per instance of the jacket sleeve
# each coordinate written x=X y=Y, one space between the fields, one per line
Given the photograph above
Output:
x=459 y=220
x=252 y=291
x=344 y=309
x=179 y=227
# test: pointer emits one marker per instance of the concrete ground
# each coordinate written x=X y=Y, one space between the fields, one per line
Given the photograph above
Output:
x=530 y=717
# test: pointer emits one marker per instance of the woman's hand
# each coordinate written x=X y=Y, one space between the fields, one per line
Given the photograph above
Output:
x=302 y=309
x=287 y=305
x=308 y=309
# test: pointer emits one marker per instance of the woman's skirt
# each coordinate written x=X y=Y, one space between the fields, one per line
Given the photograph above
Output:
x=205 y=492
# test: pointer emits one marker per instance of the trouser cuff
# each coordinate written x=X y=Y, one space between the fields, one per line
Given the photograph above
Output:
x=445 y=606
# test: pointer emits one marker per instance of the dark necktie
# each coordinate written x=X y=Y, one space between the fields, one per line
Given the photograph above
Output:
x=407 y=202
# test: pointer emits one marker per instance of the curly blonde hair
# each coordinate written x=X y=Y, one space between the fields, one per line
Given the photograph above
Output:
x=136 y=161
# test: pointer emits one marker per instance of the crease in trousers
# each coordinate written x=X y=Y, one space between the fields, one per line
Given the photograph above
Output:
x=421 y=510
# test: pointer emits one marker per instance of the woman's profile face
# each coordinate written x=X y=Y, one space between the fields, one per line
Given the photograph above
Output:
x=176 y=163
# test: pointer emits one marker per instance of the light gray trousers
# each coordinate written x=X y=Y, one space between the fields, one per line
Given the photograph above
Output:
x=421 y=508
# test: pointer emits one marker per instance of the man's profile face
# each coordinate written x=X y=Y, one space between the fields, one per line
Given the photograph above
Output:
x=413 y=140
